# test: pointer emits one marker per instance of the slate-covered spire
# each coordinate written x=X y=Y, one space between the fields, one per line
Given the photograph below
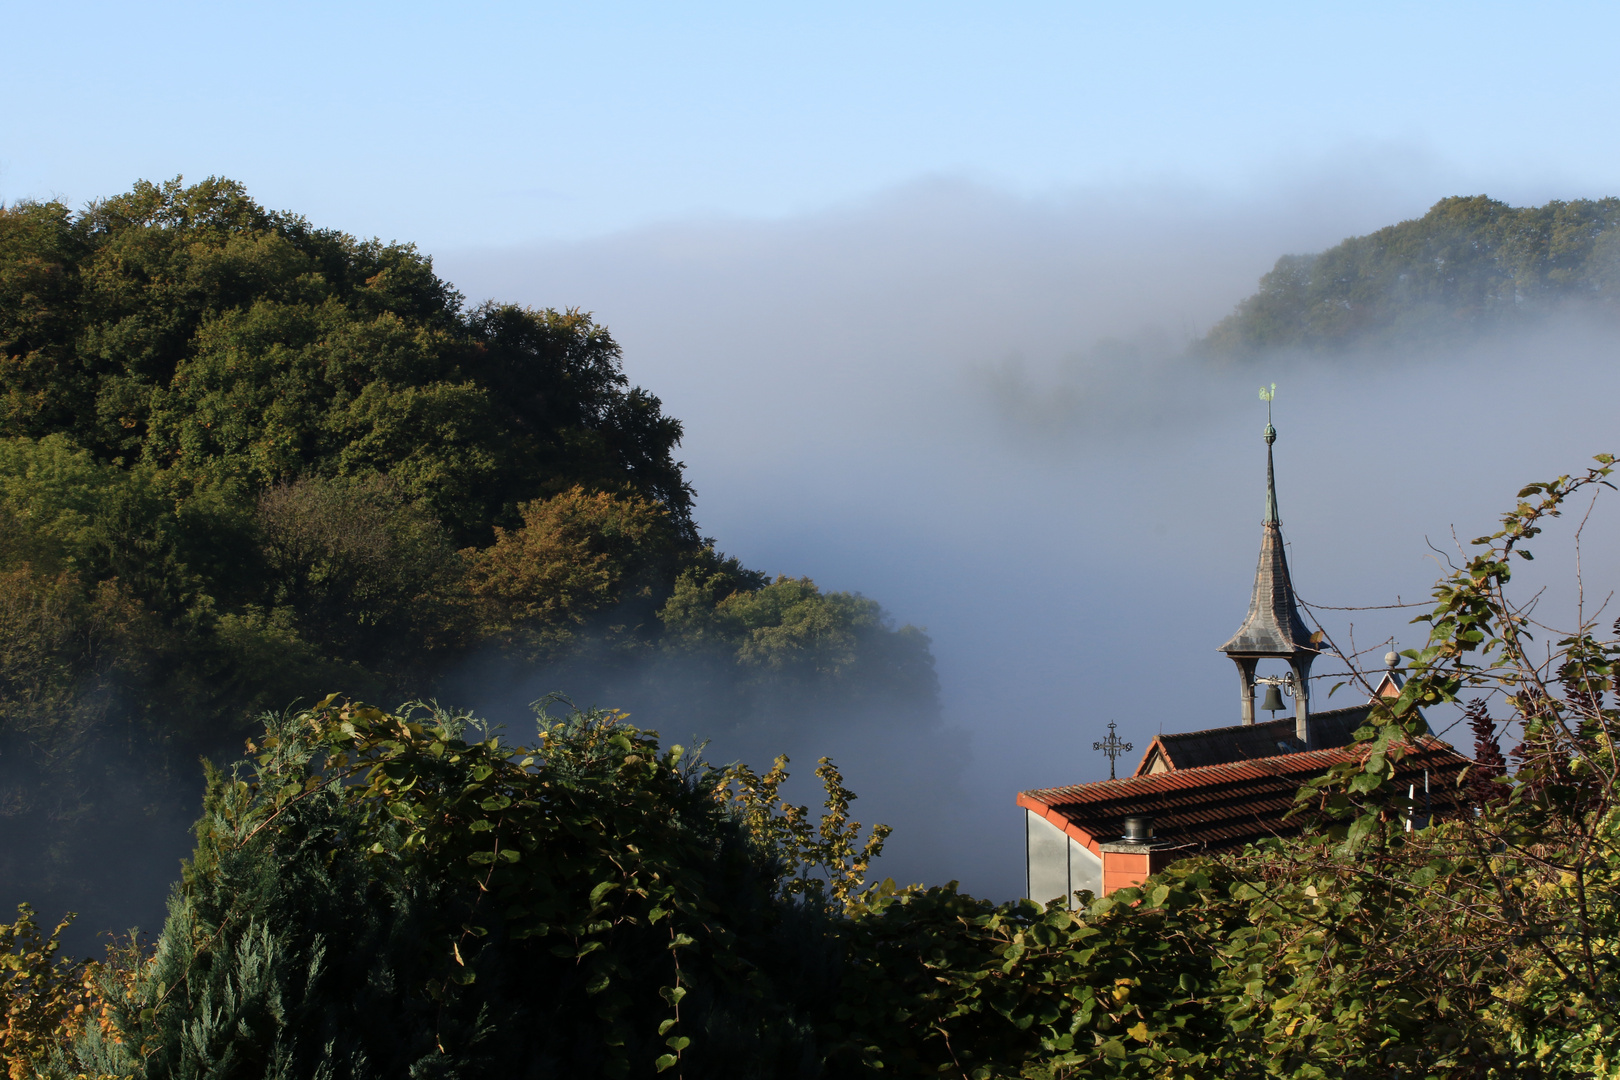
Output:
x=1273 y=628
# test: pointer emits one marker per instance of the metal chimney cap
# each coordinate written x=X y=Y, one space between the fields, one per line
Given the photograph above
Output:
x=1138 y=829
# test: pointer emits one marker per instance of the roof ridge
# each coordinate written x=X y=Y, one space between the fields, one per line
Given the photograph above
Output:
x=1287 y=722
x=1302 y=761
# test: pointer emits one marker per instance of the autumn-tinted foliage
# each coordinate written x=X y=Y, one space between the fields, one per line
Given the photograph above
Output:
x=45 y=997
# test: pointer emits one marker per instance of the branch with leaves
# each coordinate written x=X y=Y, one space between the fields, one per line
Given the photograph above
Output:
x=826 y=862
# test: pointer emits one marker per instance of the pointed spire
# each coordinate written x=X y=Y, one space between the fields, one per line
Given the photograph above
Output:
x=1274 y=626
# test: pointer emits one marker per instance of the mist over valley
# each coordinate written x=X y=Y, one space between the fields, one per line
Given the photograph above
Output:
x=423 y=596
x=998 y=418
x=993 y=414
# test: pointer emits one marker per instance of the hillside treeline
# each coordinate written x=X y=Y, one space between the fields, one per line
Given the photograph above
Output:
x=1470 y=265
x=245 y=460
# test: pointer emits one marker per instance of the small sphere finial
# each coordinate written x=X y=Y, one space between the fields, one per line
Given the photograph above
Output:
x=1271 y=434
x=1392 y=659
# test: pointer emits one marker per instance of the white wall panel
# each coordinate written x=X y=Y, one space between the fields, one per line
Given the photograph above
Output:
x=1048 y=859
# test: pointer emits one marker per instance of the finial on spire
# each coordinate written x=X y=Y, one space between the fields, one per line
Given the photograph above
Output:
x=1266 y=394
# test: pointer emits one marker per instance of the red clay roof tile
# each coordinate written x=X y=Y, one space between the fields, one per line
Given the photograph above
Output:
x=1215 y=806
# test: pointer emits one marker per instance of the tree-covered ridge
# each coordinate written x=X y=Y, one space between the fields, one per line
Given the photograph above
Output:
x=244 y=460
x=1469 y=264
x=189 y=329
x=238 y=419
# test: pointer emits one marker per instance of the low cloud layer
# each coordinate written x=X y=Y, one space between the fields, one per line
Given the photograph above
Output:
x=976 y=408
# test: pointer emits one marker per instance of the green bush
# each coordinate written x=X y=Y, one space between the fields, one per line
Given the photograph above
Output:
x=382 y=895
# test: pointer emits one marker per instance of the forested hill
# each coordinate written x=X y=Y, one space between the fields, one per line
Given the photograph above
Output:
x=1469 y=264
x=190 y=330
x=246 y=461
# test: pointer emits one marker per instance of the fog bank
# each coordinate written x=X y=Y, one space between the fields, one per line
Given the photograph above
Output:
x=976 y=408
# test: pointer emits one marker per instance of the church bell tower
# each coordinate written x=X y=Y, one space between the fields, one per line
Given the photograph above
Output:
x=1273 y=629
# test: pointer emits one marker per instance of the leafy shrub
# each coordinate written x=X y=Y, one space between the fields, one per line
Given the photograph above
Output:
x=46 y=999
x=382 y=895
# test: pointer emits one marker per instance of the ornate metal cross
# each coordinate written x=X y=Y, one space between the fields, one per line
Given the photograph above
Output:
x=1112 y=746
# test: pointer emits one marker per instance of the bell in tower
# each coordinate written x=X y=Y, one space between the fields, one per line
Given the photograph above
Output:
x=1274 y=702
x=1273 y=629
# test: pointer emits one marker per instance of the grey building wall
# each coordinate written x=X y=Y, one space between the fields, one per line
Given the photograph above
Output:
x=1055 y=864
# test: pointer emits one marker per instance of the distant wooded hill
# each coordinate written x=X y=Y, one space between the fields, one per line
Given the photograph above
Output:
x=1471 y=263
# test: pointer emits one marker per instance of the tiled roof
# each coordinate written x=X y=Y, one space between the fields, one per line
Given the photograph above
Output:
x=1226 y=805
x=1243 y=742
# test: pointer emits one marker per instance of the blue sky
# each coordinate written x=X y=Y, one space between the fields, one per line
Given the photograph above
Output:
x=474 y=124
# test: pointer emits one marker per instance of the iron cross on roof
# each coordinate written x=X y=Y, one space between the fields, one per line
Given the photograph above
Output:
x=1112 y=746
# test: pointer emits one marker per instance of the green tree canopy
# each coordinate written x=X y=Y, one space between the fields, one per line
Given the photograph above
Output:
x=245 y=460
x=1468 y=264
x=190 y=329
